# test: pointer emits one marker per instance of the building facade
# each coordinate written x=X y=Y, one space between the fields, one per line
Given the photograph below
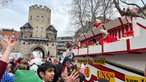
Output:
x=61 y=43
x=38 y=34
x=11 y=33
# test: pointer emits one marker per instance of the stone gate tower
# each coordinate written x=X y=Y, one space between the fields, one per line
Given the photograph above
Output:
x=38 y=33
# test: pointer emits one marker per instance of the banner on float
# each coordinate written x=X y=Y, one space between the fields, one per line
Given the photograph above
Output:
x=129 y=78
x=100 y=61
x=84 y=61
x=110 y=76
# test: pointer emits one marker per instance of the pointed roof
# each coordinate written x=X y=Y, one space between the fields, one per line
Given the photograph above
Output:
x=26 y=25
x=51 y=28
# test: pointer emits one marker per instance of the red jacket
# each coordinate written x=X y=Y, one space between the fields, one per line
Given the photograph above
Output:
x=3 y=66
x=108 y=39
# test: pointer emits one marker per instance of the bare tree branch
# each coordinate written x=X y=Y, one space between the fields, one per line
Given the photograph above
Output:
x=143 y=3
x=140 y=9
x=4 y=3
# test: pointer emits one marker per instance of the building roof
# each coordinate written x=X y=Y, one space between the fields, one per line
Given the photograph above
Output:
x=51 y=28
x=26 y=25
x=9 y=32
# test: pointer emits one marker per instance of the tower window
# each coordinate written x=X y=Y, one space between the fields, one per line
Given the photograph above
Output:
x=41 y=29
x=30 y=17
x=48 y=20
x=42 y=17
x=37 y=18
x=36 y=28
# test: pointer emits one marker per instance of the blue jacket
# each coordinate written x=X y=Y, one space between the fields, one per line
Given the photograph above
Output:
x=8 y=77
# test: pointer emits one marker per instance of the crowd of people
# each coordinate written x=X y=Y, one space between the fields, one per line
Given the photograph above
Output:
x=40 y=70
x=12 y=70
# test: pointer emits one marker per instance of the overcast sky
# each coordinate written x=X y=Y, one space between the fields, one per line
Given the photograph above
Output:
x=15 y=14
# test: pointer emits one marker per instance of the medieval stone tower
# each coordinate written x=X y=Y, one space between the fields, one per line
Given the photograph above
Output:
x=38 y=34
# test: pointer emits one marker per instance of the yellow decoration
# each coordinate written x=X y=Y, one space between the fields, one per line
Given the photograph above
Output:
x=129 y=78
x=110 y=76
x=87 y=72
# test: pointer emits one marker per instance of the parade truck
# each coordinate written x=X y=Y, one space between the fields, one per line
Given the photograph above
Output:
x=121 y=61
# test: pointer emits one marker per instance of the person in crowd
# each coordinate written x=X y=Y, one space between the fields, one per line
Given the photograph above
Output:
x=8 y=76
x=46 y=73
x=94 y=42
x=24 y=66
x=21 y=60
x=106 y=37
x=7 y=45
x=26 y=76
x=12 y=61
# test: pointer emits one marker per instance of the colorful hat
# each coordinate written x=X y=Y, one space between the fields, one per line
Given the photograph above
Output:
x=26 y=76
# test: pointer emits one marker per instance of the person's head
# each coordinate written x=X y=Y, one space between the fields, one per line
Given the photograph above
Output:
x=46 y=71
x=21 y=60
x=93 y=41
x=9 y=66
x=104 y=33
x=21 y=67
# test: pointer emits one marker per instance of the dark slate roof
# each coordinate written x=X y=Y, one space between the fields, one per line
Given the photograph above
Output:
x=51 y=28
x=26 y=25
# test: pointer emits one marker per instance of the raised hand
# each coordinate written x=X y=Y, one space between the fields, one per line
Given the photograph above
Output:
x=7 y=41
x=7 y=45
x=73 y=77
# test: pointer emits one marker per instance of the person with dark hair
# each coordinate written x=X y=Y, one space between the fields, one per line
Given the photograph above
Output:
x=7 y=45
x=94 y=42
x=21 y=60
x=46 y=72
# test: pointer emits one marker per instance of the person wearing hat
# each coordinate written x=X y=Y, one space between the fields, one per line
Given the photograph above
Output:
x=26 y=76
x=7 y=44
x=106 y=37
